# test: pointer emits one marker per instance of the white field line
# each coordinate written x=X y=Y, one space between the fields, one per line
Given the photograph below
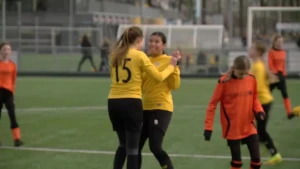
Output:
x=49 y=109
x=145 y=154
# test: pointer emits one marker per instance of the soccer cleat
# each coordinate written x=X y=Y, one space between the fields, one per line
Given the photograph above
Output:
x=274 y=159
x=18 y=143
x=291 y=115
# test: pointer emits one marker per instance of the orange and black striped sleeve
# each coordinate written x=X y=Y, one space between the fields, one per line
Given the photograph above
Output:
x=212 y=105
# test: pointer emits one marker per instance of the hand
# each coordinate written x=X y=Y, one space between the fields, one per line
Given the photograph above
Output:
x=273 y=78
x=175 y=58
x=260 y=116
x=207 y=135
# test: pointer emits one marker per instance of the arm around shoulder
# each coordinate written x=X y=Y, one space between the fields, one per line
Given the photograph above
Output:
x=151 y=70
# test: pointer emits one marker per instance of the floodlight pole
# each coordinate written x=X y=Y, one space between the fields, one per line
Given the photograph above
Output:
x=249 y=32
x=198 y=8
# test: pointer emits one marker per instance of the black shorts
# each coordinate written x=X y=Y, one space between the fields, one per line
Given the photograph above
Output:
x=157 y=118
x=246 y=140
x=126 y=114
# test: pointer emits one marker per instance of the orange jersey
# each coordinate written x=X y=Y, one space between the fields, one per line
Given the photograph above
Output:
x=8 y=75
x=239 y=102
x=277 y=61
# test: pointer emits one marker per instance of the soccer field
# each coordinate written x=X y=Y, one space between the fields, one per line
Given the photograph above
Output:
x=65 y=125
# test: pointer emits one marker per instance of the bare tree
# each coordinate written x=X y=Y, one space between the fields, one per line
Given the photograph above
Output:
x=263 y=18
x=241 y=17
x=220 y=6
x=203 y=12
x=180 y=5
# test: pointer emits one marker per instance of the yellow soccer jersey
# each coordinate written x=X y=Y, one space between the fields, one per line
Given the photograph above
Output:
x=127 y=78
x=260 y=72
x=157 y=95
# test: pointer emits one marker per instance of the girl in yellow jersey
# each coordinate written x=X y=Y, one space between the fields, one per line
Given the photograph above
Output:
x=127 y=65
x=262 y=75
x=157 y=101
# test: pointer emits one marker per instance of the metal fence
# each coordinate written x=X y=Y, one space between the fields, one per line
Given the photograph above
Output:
x=193 y=62
x=44 y=39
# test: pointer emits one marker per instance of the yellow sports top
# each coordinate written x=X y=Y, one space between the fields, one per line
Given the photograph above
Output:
x=260 y=72
x=157 y=95
x=127 y=78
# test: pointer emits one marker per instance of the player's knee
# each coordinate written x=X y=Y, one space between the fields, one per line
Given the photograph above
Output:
x=236 y=164
x=132 y=151
x=255 y=163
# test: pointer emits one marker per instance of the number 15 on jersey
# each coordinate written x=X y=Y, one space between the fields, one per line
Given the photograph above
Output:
x=125 y=68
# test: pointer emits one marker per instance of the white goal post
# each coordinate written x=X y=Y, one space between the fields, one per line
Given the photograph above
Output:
x=251 y=11
x=185 y=36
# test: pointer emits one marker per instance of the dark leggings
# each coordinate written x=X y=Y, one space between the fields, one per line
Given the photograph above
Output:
x=83 y=59
x=264 y=136
x=253 y=147
x=281 y=85
x=155 y=132
x=128 y=147
x=7 y=98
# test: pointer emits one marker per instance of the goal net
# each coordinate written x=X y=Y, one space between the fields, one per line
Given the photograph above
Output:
x=184 y=36
x=266 y=22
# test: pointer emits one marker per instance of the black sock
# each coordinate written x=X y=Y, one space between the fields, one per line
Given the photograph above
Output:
x=271 y=147
x=267 y=140
x=163 y=159
x=120 y=158
x=168 y=164
x=132 y=161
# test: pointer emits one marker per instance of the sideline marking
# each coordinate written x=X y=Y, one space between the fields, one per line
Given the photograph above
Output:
x=145 y=154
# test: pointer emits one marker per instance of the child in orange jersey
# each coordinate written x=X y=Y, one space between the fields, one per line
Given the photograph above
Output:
x=237 y=93
x=8 y=74
x=277 y=62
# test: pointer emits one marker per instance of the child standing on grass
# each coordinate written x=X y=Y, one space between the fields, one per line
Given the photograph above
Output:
x=8 y=74
x=277 y=65
x=237 y=92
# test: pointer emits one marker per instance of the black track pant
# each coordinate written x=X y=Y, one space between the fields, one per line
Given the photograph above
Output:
x=253 y=147
x=128 y=147
x=126 y=116
x=281 y=85
x=7 y=99
x=155 y=124
x=83 y=59
x=264 y=136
